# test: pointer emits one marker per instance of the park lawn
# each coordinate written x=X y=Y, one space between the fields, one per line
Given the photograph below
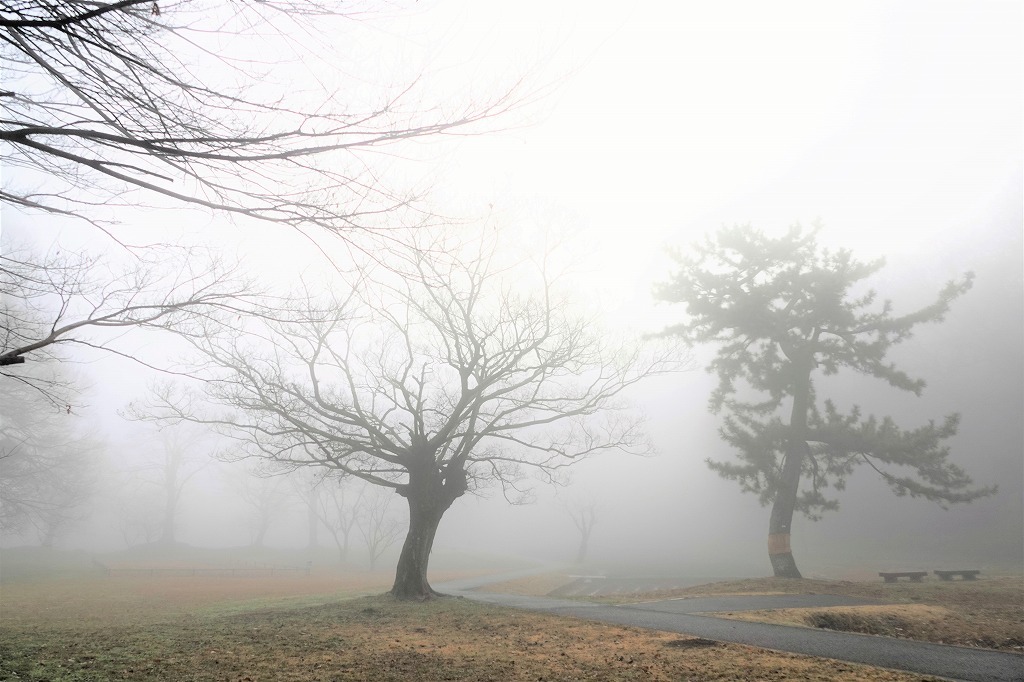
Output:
x=313 y=628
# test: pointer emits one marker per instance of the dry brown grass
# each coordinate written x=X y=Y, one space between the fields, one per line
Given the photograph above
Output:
x=999 y=629
x=298 y=628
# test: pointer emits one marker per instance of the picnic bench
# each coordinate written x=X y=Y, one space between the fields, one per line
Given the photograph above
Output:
x=964 y=575
x=893 y=576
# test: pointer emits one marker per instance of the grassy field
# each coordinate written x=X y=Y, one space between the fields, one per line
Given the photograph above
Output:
x=74 y=625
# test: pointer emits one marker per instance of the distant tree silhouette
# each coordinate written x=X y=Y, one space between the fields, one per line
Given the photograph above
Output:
x=584 y=516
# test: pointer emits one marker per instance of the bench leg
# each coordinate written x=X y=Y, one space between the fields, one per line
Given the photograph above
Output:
x=915 y=578
x=943 y=576
x=890 y=579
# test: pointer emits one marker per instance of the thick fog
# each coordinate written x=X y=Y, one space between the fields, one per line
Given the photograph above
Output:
x=897 y=126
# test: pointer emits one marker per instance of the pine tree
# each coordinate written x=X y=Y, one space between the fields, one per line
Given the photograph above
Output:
x=782 y=311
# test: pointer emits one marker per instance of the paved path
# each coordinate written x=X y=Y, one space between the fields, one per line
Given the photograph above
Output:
x=682 y=616
x=623 y=586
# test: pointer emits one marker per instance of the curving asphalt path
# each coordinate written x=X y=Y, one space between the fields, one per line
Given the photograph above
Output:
x=684 y=616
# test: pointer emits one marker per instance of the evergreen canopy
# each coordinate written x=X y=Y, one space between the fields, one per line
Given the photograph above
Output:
x=782 y=310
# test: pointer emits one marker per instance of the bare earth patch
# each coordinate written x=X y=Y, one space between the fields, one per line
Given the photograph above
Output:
x=283 y=629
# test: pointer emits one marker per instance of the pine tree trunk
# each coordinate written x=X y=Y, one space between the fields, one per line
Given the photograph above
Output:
x=781 y=520
x=780 y=523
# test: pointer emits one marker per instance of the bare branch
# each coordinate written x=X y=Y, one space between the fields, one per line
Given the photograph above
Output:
x=60 y=299
x=147 y=99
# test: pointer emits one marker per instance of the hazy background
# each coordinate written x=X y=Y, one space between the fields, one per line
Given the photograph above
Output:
x=897 y=125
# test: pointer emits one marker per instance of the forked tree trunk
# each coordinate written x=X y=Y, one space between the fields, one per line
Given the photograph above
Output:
x=430 y=493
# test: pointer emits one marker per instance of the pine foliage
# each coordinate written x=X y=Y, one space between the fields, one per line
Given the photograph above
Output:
x=781 y=312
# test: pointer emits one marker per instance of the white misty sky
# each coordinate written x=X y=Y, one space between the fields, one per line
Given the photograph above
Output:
x=895 y=124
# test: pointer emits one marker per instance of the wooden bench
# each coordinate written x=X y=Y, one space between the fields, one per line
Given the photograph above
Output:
x=965 y=575
x=915 y=576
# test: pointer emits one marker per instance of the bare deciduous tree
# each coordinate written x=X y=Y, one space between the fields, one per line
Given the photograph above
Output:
x=431 y=386
x=584 y=516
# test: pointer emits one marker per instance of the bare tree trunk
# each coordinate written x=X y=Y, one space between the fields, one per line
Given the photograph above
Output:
x=341 y=541
x=430 y=493
x=584 y=518
x=411 y=574
x=261 y=533
x=167 y=534
x=581 y=553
